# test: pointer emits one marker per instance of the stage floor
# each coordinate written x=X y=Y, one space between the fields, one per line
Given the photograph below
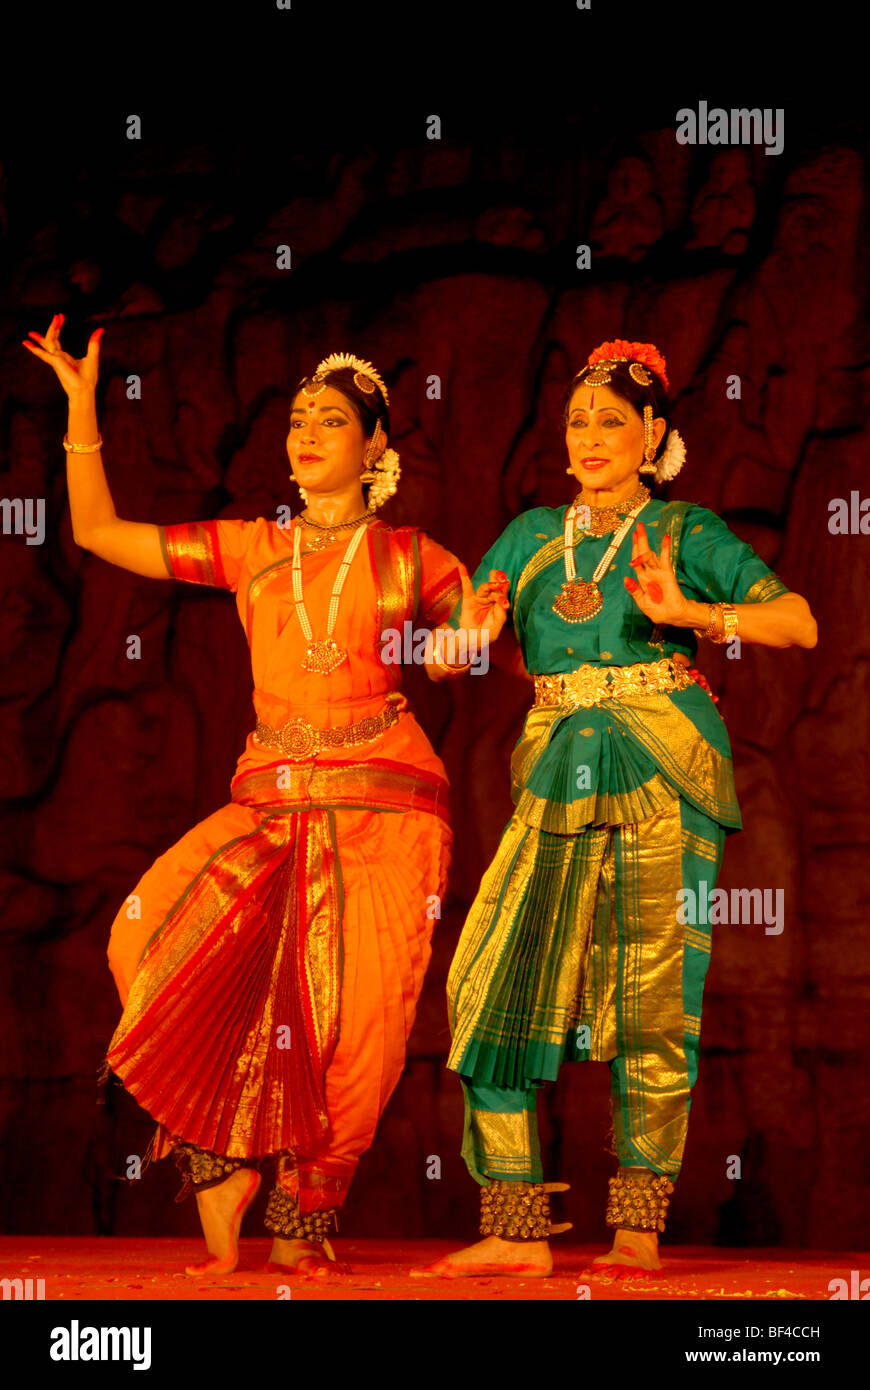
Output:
x=118 y=1269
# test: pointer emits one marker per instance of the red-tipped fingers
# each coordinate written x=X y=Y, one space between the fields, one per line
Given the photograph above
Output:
x=641 y=553
x=631 y=584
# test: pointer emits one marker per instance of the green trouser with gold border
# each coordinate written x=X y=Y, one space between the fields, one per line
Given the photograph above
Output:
x=576 y=952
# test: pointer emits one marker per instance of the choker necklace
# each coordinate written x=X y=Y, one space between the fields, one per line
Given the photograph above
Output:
x=327 y=533
x=580 y=599
x=604 y=519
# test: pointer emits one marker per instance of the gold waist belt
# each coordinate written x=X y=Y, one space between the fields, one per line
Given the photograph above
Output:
x=298 y=739
x=589 y=685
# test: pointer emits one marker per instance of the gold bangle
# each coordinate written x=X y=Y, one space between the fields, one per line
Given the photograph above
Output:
x=82 y=448
x=449 y=670
x=715 y=624
x=728 y=627
x=442 y=665
x=711 y=624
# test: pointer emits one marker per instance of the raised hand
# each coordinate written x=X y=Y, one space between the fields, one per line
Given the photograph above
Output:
x=654 y=588
x=77 y=375
x=487 y=609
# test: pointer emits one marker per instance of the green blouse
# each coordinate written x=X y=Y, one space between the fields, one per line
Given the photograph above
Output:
x=623 y=759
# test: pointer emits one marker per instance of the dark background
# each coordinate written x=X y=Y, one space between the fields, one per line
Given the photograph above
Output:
x=454 y=257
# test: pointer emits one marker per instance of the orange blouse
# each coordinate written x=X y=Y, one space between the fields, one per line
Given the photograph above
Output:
x=399 y=578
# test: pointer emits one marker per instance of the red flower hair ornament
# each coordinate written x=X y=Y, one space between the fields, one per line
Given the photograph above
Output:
x=622 y=351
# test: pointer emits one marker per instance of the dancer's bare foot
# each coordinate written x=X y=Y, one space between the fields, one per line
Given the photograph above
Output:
x=221 y=1210
x=638 y=1250
x=531 y=1258
x=311 y=1258
x=286 y=1254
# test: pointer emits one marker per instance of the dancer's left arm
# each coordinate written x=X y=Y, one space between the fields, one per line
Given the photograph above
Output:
x=730 y=568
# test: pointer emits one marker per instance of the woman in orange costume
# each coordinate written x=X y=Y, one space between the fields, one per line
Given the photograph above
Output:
x=270 y=984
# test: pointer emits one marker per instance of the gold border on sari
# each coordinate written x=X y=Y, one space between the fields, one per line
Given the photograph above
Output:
x=650 y=1021
x=763 y=590
x=324 y=906
x=503 y=1141
x=374 y=785
x=396 y=578
x=190 y=552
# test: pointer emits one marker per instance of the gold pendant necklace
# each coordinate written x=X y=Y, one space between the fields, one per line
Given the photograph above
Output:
x=324 y=656
x=580 y=599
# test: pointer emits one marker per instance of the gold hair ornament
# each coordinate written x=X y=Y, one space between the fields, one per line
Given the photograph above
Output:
x=365 y=375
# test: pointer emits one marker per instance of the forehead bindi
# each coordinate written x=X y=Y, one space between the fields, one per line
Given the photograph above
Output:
x=311 y=409
x=596 y=400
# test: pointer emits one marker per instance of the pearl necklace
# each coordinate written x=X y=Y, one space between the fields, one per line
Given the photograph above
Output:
x=580 y=599
x=324 y=656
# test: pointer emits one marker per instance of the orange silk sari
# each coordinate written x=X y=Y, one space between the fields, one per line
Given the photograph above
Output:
x=271 y=978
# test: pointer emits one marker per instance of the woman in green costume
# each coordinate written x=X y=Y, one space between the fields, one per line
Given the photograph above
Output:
x=576 y=947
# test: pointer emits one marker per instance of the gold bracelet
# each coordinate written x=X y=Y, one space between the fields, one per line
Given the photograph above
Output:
x=82 y=448
x=729 y=623
x=442 y=665
x=714 y=623
x=449 y=670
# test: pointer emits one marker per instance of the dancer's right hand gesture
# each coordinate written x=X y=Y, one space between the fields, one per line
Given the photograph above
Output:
x=486 y=609
x=77 y=375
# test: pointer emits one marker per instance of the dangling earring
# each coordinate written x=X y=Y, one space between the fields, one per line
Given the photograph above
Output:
x=649 y=447
x=368 y=474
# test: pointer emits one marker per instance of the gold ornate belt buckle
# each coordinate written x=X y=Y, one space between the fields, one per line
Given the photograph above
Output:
x=590 y=685
x=298 y=739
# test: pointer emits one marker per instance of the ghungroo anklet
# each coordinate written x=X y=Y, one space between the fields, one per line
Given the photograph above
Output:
x=284 y=1219
x=515 y=1210
x=201 y=1168
x=638 y=1200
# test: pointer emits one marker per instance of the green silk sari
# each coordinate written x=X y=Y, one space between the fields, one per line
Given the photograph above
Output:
x=616 y=807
